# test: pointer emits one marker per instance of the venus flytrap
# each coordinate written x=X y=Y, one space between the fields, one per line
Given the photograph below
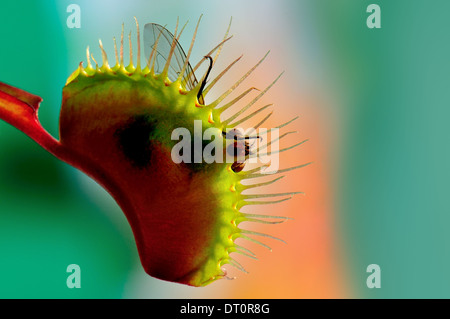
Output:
x=116 y=125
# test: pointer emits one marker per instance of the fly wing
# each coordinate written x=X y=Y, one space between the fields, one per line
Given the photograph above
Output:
x=151 y=33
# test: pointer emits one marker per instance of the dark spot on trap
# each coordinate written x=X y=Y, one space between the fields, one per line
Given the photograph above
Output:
x=134 y=139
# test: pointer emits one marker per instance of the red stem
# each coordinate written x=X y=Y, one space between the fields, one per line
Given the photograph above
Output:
x=20 y=108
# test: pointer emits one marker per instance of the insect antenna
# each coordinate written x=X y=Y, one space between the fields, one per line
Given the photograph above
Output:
x=199 y=95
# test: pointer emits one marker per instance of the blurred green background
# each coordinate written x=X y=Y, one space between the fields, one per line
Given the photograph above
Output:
x=388 y=93
x=393 y=173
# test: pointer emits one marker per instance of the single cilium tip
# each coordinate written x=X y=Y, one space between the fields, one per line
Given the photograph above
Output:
x=131 y=50
x=93 y=59
x=88 y=58
x=242 y=110
x=224 y=38
x=235 y=85
x=121 y=46
x=236 y=264
x=220 y=75
x=182 y=29
x=225 y=274
x=138 y=62
x=104 y=56
x=186 y=62
x=115 y=51
x=172 y=49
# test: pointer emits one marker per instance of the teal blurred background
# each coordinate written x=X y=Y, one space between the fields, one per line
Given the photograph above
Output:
x=387 y=102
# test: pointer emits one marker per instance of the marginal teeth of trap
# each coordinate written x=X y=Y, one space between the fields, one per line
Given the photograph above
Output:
x=242 y=110
x=255 y=241
x=228 y=105
x=262 y=147
x=209 y=87
x=248 y=251
x=235 y=85
x=235 y=124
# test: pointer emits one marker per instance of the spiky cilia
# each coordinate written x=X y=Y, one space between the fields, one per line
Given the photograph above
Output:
x=116 y=124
